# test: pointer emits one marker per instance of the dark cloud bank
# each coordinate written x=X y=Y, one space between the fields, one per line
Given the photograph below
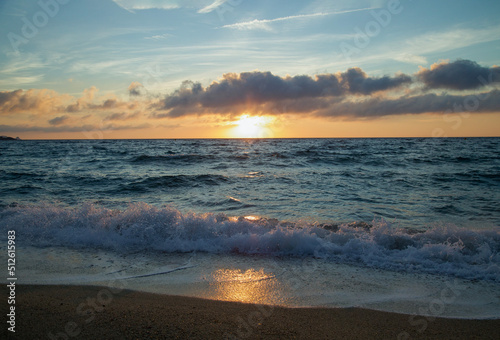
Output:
x=459 y=75
x=351 y=93
x=464 y=86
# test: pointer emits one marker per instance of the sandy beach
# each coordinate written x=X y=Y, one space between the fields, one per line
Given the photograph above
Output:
x=88 y=312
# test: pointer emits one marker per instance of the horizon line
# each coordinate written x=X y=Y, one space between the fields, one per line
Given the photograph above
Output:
x=249 y=138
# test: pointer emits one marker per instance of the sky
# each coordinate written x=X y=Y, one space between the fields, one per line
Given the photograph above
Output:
x=105 y=69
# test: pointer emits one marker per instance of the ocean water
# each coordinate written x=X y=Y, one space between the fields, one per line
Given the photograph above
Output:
x=379 y=223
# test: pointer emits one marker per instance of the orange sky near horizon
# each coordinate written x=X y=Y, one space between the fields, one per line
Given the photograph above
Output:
x=426 y=125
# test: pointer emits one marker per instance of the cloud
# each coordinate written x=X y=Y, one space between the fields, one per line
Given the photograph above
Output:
x=65 y=128
x=135 y=88
x=131 y=5
x=89 y=102
x=36 y=128
x=410 y=58
x=443 y=41
x=359 y=83
x=253 y=88
x=26 y=68
x=84 y=101
x=121 y=116
x=34 y=101
x=352 y=93
x=213 y=6
x=158 y=36
x=20 y=80
x=59 y=120
x=51 y=112
x=50 y=102
x=458 y=75
x=427 y=103
x=264 y=23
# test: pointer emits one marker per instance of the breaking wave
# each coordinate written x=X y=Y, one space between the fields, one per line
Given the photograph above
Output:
x=448 y=250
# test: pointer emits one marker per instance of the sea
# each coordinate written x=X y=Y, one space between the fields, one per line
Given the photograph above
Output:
x=409 y=225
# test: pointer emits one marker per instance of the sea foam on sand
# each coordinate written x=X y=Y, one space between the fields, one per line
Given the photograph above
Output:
x=285 y=281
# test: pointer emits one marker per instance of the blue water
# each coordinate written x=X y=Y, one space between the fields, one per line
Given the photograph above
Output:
x=415 y=204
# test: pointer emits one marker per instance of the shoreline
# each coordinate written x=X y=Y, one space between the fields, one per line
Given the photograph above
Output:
x=80 y=312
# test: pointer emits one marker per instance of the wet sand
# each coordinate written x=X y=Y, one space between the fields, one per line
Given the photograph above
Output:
x=87 y=312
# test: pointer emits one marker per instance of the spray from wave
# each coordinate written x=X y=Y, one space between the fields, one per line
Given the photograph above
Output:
x=449 y=250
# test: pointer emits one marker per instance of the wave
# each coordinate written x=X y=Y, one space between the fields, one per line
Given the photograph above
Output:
x=171 y=158
x=448 y=250
x=17 y=175
x=227 y=204
x=174 y=181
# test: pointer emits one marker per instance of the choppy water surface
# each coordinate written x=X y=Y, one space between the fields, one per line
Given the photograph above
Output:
x=411 y=182
x=424 y=206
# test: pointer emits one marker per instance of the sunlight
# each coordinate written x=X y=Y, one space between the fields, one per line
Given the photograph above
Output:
x=250 y=286
x=252 y=127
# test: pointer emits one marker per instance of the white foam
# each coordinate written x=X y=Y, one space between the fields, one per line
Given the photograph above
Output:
x=448 y=250
x=292 y=282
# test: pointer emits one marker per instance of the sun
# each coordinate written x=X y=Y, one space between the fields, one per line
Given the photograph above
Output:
x=252 y=126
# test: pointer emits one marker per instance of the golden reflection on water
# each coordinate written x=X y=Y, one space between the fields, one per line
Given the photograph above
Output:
x=252 y=286
x=249 y=218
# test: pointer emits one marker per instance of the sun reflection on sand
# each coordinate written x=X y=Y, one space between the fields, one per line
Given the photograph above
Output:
x=251 y=286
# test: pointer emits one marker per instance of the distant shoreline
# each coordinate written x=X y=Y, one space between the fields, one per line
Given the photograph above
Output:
x=9 y=138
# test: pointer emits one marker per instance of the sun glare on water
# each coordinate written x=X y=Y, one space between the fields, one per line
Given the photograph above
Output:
x=252 y=127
